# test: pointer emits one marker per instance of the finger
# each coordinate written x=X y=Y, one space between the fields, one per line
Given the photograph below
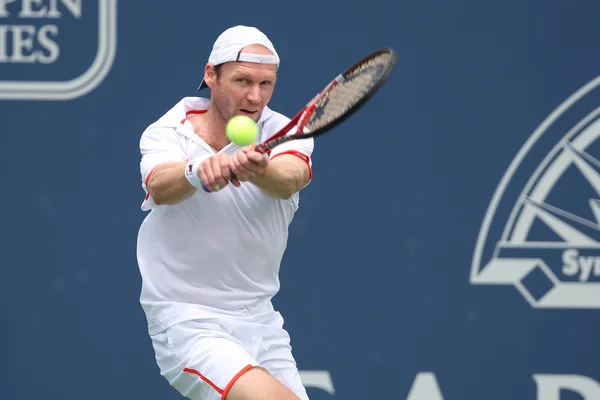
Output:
x=253 y=168
x=241 y=157
x=235 y=182
x=231 y=167
x=247 y=166
x=242 y=164
x=224 y=167
x=206 y=174
x=239 y=171
x=257 y=158
x=220 y=181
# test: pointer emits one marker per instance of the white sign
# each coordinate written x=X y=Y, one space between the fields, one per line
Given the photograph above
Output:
x=37 y=40
x=318 y=380
x=426 y=387
x=549 y=387
x=564 y=262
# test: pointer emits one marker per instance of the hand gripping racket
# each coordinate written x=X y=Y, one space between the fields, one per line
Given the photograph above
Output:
x=341 y=98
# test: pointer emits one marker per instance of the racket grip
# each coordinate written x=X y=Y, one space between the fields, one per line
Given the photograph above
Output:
x=204 y=187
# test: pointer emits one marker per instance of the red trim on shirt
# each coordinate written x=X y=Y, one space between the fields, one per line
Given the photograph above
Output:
x=232 y=381
x=303 y=156
x=195 y=112
x=146 y=182
x=205 y=379
x=187 y=113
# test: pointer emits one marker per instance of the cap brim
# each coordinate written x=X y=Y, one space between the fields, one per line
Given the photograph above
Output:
x=203 y=85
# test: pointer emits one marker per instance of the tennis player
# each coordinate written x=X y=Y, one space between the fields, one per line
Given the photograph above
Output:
x=210 y=261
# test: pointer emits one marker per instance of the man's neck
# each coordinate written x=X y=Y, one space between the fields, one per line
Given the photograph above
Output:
x=210 y=126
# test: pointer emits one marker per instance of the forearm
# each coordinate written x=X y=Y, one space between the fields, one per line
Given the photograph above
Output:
x=284 y=176
x=168 y=185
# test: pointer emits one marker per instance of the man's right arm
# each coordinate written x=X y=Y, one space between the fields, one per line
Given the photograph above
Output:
x=167 y=183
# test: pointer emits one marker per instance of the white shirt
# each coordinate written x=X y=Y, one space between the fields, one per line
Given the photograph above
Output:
x=213 y=252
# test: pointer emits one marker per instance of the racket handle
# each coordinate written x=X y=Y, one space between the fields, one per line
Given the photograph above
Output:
x=204 y=187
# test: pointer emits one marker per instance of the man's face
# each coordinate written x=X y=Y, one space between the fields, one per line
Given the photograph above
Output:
x=244 y=88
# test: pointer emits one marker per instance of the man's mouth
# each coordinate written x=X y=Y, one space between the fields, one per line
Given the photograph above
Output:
x=248 y=112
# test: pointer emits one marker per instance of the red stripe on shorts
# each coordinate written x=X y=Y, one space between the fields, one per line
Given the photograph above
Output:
x=205 y=379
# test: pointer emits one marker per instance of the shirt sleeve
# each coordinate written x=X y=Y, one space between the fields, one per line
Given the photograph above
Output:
x=302 y=148
x=157 y=146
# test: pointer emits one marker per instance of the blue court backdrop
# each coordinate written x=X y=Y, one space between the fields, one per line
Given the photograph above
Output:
x=448 y=246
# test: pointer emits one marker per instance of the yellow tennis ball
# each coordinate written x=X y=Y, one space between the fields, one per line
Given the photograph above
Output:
x=241 y=130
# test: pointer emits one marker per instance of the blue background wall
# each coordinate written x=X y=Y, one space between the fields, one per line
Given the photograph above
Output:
x=376 y=280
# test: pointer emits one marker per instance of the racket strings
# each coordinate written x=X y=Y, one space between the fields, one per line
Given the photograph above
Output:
x=349 y=91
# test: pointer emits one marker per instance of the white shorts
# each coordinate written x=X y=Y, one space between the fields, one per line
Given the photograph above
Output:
x=203 y=358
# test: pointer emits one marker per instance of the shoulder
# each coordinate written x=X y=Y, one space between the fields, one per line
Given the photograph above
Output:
x=164 y=129
x=173 y=117
x=158 y=138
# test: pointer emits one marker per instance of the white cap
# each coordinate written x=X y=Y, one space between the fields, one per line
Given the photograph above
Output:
x=229 y=44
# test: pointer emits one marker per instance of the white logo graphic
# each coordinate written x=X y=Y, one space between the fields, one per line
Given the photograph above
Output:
x=317 y=379
x=541 y=232
x=549 y=387
x=27 y=43
x=426 y=387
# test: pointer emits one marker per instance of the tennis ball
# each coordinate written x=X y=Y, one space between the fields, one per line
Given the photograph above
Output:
x=241 y=130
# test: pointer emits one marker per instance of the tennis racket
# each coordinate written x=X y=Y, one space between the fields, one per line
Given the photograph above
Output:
x=341 y=98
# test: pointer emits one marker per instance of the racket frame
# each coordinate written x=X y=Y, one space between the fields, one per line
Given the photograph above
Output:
x=300 y=119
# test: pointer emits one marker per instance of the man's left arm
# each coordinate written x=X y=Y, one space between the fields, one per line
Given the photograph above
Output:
x=284 y=175
x=281 y=177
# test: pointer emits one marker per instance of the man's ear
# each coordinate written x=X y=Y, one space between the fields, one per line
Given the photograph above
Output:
x=210 y=75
